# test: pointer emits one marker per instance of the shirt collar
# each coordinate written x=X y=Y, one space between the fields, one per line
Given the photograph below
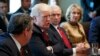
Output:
x=55 y=26
x=16 y=42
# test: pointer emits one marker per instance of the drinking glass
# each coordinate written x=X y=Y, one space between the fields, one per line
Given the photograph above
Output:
x=94 y=50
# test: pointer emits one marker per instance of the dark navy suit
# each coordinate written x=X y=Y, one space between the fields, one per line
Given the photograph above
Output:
x=20 y=10
x=2 y=24
x=94 y=32
x=67 y=51
x=89 y=6
x=9 y=48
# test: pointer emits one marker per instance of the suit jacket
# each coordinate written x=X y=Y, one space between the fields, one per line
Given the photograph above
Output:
x=38 y=45
x=9 y=48
x=87 y=8
x=66 y=51
x=2 y=24
x=20 y=10
x=86 y=3
x=94 y=32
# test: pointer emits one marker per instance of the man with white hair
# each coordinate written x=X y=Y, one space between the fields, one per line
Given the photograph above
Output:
x=44 y=42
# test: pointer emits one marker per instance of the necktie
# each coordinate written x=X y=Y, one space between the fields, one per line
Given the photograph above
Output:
x=5 y=20
x=64 y=38
x=22 y=52
x=45 y=37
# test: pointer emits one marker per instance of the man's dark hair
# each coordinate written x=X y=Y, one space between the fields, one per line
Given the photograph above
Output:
x=3 y=1
x=18 y=22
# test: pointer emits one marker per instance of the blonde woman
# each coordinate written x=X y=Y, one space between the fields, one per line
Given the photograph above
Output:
x=73 y=28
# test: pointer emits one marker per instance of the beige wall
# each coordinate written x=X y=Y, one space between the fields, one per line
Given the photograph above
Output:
x=65 y=3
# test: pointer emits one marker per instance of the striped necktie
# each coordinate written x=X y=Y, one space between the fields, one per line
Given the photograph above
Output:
x=64 y=37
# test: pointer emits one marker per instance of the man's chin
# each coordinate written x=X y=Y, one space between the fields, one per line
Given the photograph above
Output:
x=47 y=27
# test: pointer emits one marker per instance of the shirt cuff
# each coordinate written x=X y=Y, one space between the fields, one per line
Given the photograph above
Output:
x=74 y=51
x=50 y=48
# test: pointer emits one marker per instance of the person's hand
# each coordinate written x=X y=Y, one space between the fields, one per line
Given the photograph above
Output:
x=49 y=48
x=92 y=14
x=79 y=47
x=82 y=47
x=87 y=46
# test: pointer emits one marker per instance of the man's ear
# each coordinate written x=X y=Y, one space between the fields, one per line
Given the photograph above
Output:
x=25 y=31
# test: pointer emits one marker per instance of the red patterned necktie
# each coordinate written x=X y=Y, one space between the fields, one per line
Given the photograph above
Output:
x=64 y=37
x=22 y=52
x=45 y=37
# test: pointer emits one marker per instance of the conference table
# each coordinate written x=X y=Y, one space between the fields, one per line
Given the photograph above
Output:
x=87 y=53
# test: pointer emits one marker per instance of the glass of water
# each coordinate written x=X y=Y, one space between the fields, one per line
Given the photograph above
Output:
x=94 y=50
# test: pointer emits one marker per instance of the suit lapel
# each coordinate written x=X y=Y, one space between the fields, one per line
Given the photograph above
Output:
x=56 y=32
x=13 y=46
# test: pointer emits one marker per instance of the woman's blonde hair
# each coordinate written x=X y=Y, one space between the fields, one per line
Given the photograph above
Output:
x=67 y=15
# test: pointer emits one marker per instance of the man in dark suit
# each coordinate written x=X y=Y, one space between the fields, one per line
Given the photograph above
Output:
x=44 y=42
x=88 y=7
x=18 y=34
x=25 y=5
x=60 y=32
x=95 y=13
x=94 y=32
x=4 y=16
